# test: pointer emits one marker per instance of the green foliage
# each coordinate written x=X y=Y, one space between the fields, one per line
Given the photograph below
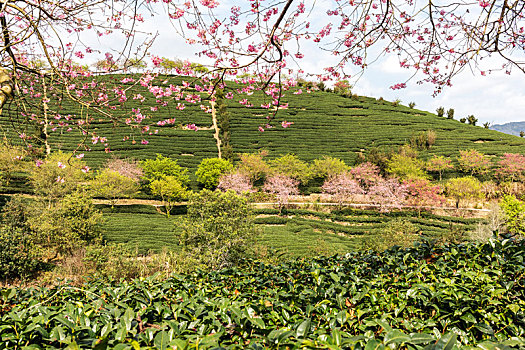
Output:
x=17 y=257
x=62 y=228
x=112 y=185
x=210 y=170
x=397 y=232
x=514 y=213
x=450 y=113
x=170 y=190
x=328 y=166
x=11 y=161
x=440 y=112
x=59 y=175
x=291 y=166
x=218 y=228
x=464 y=188
x=402 y=298
x=160 y=167
x=253 y=165
x=406 y=167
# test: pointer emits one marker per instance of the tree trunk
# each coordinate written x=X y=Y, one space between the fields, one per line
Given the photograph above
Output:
x=216 y=128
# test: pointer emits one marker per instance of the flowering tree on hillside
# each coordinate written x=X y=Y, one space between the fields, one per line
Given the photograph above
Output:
x=238 y=182
x=439 y=164
x=511 y=167
x=342 y=187
x=282 y=187
x=422 y=193
x=473 y=162
x=388 y=194
x=367 y=174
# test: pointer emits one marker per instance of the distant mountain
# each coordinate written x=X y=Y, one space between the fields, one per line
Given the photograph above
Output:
x=513 y=128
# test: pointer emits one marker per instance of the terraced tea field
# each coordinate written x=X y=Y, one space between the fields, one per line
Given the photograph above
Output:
x=299 y=233
x=324 y=124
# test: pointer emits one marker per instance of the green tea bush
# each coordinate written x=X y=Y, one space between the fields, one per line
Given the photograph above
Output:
x=17 y=257
x=514 y=213
x=397 y=232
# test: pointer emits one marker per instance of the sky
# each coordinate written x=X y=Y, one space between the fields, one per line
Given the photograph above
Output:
x=496 y=98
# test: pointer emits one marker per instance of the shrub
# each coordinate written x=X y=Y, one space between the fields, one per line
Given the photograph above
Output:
x=113 y=185
x=397 y=232
x=472 y=120
x=62 y=228
x=218 y=229
x=170 y=190
x=156 y=169
x=59 y=175
x=210 y=170
x=11 y=160
x=440 y=111
x=464 y=188
x=411 y=105
x=17 y=258
x=514 y=213
x=253 y=165
x=450 y=113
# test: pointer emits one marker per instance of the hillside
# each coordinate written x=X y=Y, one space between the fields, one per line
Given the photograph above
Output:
x=513 y=128
x=324 y=123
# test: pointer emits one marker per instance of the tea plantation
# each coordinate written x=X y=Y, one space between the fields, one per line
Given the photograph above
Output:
x=419 y=298
x=324 y=124
x=299 y=233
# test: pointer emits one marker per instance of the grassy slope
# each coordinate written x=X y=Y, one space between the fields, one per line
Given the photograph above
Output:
x=324 y=124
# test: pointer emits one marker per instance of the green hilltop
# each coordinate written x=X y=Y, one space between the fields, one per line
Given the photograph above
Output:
x=324 y=123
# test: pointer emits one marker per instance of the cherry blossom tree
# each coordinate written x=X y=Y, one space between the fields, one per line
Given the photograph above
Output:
x=388 y=194
x=342 y=187
x=511 y=167
x=473 y=162
x=238 y=182
x=439 y=164
x=282 y=187
x=366 y=174
x=422 y=193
